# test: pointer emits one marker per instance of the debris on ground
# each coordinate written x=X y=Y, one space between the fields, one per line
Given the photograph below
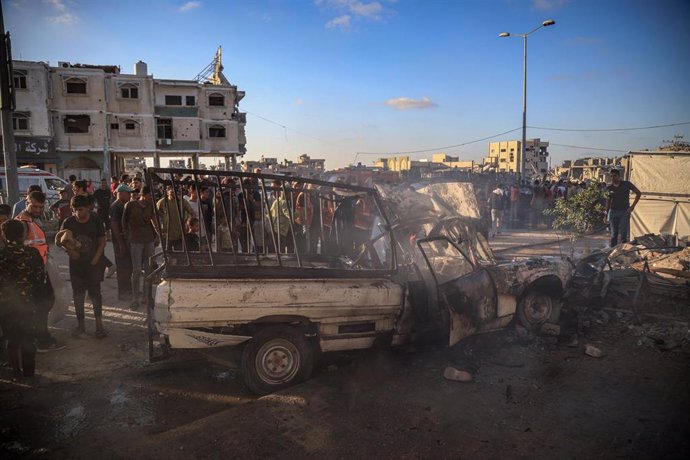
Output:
x=551 y=329
x=625 y=274
x=594 y=352
x=457 y=375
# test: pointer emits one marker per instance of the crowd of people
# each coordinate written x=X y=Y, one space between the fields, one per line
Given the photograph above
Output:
x=514 y=207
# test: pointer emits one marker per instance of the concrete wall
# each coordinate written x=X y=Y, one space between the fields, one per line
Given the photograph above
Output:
x=93 y=104
x=35 y=99
x=123 y=111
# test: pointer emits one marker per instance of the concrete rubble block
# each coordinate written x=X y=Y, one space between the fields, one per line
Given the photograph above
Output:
x=457 y=375
x=551 y=329
x=594 y=352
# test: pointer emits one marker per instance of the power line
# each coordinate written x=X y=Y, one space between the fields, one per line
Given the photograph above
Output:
x=440 y=148
x=286 y=128
x=610 y=129
x=588 y=148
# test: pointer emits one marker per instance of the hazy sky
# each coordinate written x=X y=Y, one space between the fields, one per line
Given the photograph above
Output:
x=336 y=77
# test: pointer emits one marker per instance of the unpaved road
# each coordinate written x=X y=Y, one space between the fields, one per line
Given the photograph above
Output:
x=530 y=398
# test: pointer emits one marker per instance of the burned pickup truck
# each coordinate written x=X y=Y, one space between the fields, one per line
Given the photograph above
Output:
x=283 y=269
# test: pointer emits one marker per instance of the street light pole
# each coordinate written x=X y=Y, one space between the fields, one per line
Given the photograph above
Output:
x=522 y=154
x=523 y=150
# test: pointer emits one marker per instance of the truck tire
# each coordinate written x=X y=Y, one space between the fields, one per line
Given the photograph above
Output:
x=275 y=358
x=536 y=308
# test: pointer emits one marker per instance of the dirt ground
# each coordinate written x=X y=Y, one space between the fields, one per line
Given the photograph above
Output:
x=531 y=397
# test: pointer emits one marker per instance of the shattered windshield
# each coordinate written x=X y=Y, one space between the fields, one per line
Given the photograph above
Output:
x=445 y=260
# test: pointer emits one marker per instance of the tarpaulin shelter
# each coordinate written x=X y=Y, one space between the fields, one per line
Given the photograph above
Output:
x=664 y=180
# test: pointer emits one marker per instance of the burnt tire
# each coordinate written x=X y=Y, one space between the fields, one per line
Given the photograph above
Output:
x=275 y=358
x=536 y=308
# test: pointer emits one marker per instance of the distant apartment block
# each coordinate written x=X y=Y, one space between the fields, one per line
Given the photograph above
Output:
x=505 y=156
x=93 y=120
x=305 y=166
x=591 y=168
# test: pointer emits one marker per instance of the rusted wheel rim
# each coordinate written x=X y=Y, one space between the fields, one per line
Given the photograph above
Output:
x=277 y=361
x=537 y=308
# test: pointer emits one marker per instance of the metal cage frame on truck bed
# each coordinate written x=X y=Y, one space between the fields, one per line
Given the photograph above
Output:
x=307 y=227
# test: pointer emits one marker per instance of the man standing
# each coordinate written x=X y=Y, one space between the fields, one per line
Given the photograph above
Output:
x=618 y=207
x=80 y=188
x=172 y=223
x=21 y=275
x=86 y=264
x=537 y=203
x=123 y=260
x=36 y=238
x=20 y=205
x=102 y=198
x=140 y=231
x=496 y=203
x=514 y=204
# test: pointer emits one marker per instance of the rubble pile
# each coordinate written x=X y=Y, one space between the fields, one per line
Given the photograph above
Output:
x=628 y=274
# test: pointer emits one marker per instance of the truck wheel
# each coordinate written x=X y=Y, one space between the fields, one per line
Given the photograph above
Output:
x=536 y=308
x=276 y=358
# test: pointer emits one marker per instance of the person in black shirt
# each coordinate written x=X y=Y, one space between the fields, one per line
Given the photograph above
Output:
x=86 y=264
x=102 y=197
x=618 y=207
x=21 y=277
x=192 y=235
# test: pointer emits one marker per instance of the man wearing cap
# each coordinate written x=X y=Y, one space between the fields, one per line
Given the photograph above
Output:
x=123 y=260
x=618 y=207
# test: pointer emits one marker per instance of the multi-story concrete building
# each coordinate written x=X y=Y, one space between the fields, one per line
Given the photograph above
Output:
x=305 y=166
x=591 y=168
x=94 y=121
x=505 y=157
x=452 y=162
x=31 y=120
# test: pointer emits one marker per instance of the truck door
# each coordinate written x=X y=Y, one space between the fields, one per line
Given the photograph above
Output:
x=466 y=291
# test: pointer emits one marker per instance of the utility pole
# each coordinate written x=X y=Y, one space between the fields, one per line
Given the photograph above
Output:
x=7 y=106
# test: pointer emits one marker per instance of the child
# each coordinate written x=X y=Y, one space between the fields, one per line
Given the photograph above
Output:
x=21 y=276
x=224 y=237
x=86 y=264
x=261 y=231
x=192 y=234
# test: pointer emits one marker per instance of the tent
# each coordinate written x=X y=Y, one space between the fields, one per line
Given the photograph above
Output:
x=664 y=180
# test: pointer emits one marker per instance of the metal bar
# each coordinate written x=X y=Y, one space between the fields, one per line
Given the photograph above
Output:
x=292 y=228
x=179 y=205
x=200 y=210
x=393 y=263
x=149 y=182
x=270 y=222
x=249 y=226
x=225 y=213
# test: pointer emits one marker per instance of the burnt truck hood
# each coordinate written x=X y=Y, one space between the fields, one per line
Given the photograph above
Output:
x=514 y=277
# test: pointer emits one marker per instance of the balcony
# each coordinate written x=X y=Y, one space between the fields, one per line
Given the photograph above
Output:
x=176 y=145
x=176 y=111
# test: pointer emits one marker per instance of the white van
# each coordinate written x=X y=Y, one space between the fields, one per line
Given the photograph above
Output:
x=50 y=183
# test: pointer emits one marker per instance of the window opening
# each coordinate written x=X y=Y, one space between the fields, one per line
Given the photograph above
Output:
x=173 y=100
x=77 y=124
x=75 y=86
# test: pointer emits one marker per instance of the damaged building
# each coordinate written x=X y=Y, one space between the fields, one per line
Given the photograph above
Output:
x=96 y=121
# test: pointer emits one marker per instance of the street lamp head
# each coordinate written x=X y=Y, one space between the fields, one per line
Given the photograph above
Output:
x=548 y=22
x=504 y=34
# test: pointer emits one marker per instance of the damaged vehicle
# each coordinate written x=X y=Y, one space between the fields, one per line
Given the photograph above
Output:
x=299 y=267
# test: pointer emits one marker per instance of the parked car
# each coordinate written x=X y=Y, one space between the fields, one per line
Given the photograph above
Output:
x=325 y=270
